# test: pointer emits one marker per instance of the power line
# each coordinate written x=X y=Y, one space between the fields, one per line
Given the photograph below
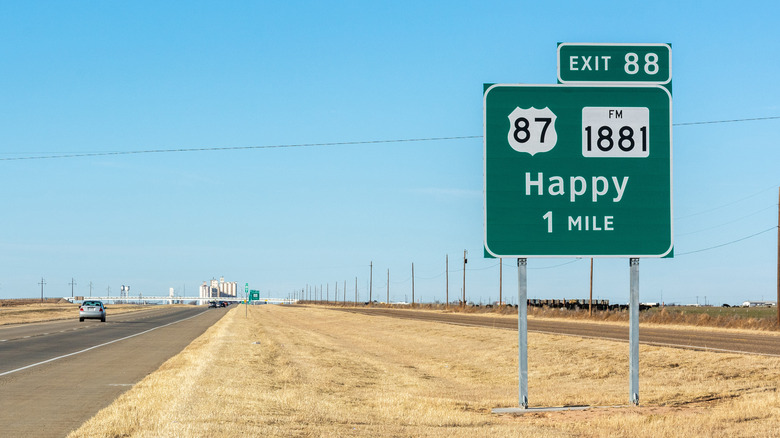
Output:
x=772 y=187
x=482 y=269
x=301 y=145
x=726 y=223
x=726 y=121
x=235 y=148
x=727 y=243
x=430 y=278
x=560 y=264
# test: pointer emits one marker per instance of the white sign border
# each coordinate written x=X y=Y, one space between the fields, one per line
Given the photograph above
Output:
x=576 y=85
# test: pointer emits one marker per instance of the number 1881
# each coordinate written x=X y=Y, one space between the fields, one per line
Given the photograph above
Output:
x=615 y=132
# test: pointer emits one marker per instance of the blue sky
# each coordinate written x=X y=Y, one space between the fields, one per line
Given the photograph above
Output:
x=85 y=77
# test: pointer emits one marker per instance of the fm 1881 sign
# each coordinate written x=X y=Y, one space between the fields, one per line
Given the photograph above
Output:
x=577 y=171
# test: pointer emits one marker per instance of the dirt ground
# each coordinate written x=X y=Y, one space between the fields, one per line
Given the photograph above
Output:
x=306 y=371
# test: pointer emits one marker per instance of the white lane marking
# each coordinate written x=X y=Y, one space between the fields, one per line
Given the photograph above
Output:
x=120 y=384
x=97 y=346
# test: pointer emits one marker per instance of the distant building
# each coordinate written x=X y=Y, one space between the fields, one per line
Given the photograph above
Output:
x=759 y=304
x=218 y=289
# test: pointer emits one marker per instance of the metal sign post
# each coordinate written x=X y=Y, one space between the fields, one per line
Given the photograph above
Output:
x=633 y=332
x=522 y=330
x=246 y=299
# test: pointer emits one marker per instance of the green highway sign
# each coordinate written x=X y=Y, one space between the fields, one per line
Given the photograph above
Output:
x=623 y=63
x=573 y=170
x=254 y=295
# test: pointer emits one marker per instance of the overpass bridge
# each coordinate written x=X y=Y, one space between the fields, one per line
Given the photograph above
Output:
x=185 y=300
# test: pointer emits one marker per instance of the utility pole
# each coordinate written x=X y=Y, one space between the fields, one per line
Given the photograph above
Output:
x=388 y=286
x=345 y=291
x=464 y=277
x=42 y=283
x=447 y=287
x=371 y=283
x=90 y=289
x=356 y=295
x=777 y=304
x=108 y=291
x=590 y=300
x=412 y=284
x=72 y=283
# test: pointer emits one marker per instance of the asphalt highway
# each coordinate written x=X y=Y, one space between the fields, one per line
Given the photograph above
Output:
x=56 y=375
x=711 y=340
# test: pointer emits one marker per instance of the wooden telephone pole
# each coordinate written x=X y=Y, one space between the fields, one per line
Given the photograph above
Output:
x=464 y=277
x=590 y=300
x=447 y=286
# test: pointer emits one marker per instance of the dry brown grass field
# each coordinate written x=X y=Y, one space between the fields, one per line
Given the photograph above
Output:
x=309 y=371
x=52 y=310
x=755 y=318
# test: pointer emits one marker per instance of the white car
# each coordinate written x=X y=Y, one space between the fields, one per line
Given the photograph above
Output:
x=92 y=309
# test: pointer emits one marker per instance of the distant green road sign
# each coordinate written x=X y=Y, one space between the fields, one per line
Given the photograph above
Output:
x=624 y=63
x=254 y=295
x=577 y=171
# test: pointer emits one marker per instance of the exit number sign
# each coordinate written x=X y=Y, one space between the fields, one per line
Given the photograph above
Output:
x=616 y=63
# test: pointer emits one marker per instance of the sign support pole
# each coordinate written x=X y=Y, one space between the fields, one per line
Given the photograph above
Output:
x=522 y=330
x=633 y=332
